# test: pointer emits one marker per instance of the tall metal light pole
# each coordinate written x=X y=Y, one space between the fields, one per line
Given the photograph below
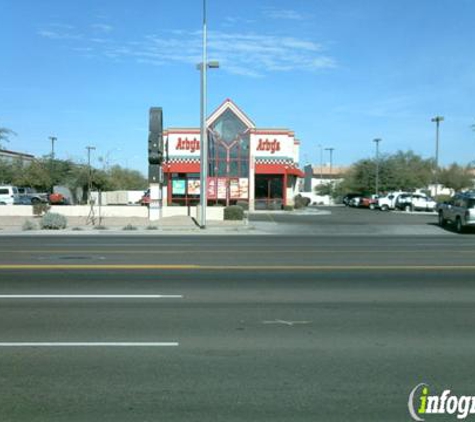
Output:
x=376 y=188
x=331 y=159
x=321 y=164
x=437 y=120
x=53 y=139
x=89 y=149
x=331 y=169
x=203 y=67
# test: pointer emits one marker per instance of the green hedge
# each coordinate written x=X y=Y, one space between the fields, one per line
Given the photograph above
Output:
x=233 y=212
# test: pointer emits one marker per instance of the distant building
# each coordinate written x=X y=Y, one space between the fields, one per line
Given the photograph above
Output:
x=322 y=175
x=14 y=155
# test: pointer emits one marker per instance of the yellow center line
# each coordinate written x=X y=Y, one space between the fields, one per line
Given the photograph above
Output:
x=231 y=267
x=229 y=251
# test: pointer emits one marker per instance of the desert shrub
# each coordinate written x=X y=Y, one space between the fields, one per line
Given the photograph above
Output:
x=233 y=212
x=129 y=227
x=152 y=227
x=288 y=208
x=41 y=208
x=300 y=201
x=53 y=221
x=100 y=227
x=29 y=225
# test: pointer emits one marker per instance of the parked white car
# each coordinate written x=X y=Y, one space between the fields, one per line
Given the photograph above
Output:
x=415 y=202
x=388 y=202
x=9 y=195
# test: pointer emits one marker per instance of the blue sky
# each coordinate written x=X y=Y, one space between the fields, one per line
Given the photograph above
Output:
x=338 y=73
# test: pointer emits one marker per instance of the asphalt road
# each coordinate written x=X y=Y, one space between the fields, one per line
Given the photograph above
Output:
x=345 y=221
x=247 y=328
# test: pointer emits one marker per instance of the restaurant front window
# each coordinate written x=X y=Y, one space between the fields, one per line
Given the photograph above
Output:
x=228 y=159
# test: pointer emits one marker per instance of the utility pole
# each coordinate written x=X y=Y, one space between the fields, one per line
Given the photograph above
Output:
x=377 y=141
x=437 y=120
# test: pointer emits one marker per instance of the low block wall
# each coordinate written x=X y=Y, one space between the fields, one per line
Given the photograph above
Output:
x=212 y=213
x=16 y=211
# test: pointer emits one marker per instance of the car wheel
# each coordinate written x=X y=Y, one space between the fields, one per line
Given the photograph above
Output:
x=372 y=206
x=384 y=208
x=35 y=201
x=408 y=208
x=459 y=226
x=442 y=220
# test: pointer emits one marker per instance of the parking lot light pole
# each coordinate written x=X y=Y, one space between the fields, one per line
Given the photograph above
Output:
x=331 y=159
x=321 y=164
x=377 y=141
x=203 y=67
x=437 y=120
x=89 y=149
x=330 y=150
x=53 y=139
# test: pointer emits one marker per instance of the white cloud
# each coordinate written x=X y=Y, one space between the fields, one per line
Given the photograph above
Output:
x=58 y=35
x=102 y=27
x=241 y=53
x=283 y=14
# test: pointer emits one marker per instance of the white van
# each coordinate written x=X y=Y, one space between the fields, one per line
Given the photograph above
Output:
x=9 y=195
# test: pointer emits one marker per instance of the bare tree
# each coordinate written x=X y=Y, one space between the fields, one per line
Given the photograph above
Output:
x=5 y=135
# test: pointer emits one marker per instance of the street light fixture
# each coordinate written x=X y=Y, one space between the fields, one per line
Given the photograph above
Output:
x=437 y=120
x=377 y=141
x=203 y=67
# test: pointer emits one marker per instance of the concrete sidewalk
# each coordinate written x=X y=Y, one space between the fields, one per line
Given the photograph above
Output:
x=132 y=225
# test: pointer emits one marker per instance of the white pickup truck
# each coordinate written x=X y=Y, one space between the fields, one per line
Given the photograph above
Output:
x=388 y=202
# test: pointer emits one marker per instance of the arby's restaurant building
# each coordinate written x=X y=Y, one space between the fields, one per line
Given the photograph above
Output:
x=246 y=163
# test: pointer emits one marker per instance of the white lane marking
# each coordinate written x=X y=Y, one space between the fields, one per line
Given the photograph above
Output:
x=283 y=322
x=91 y=296
x=89 y=344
